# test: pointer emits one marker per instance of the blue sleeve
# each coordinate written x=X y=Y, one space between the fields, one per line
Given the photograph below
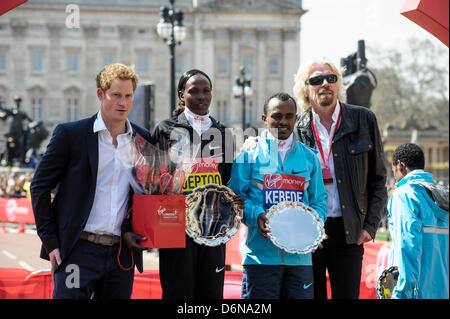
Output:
x=241 y=183
x=406 y=235
x=317 y=192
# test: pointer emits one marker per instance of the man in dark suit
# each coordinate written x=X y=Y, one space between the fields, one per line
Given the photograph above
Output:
x=85 y=230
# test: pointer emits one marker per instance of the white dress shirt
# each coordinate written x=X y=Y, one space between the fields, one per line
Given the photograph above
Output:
x=283 y=145
x=333 y=202
x=111 y=192
x=199 y=123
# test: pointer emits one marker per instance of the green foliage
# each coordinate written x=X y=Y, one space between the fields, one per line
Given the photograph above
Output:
x=412 y=85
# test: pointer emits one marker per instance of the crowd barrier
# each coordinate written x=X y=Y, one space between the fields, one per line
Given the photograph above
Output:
x=18 y=283
x=23 y=284
x=16 y=210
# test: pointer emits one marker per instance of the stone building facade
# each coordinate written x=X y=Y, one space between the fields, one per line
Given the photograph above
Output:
x=51 y=51
x=433 y=141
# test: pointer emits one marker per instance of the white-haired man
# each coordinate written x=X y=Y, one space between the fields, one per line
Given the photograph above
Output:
x=351 y=155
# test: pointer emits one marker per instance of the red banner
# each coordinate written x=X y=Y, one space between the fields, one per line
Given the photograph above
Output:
x=6 y=6
x=431 y=15
x=21 y=284
x=16 y=210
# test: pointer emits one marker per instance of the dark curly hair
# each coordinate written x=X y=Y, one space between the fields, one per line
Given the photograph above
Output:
x=282 y=96
x=182 y=85
x=410 y=154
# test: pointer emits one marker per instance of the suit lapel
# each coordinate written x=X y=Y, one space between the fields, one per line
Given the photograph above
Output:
x=347 y=124
x=92 y=148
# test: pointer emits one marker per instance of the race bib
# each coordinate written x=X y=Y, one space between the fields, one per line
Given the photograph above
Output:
x=282 y=188
x=203 y=171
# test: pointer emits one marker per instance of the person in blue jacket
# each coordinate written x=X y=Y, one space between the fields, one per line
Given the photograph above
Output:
x=419 y=229
x=268 y=271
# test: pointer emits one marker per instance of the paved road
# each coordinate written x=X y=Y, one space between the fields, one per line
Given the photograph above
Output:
x=21 y=250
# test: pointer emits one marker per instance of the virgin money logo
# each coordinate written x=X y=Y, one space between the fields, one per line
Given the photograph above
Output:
x=298 y=183
x=273 y=181
x=13 y=210
x=164 y=212
x=168 y=215
x=205 y=165
x=284 y=181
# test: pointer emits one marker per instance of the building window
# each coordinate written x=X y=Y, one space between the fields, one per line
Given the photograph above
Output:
x=108 y=58
x=274 y=34
x=221 y=33
x=224 y=111
x=37 y=29
x=179 y=64
x=142 y=63
x=248 y=64
x=36 y=61
x=72 y=109
x=222 y=65
x=2 y=60
x=72 y=62
x=273 y=65
x=249 y=112
x=36 y=109
x=143 y=31
x=108 y=30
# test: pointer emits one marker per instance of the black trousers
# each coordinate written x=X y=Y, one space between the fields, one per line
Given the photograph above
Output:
x=343 y=261
x=92 y=271
x=196 y=271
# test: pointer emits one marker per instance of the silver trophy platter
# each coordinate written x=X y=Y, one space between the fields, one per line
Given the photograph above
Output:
x=295 y=227
x=387 y=282
x=211 y=216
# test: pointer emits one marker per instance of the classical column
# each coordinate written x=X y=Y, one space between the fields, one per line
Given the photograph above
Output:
x=234 y=106
x=53 y=107
x=19 y=53
x=197 y=45
x=125 y=35
x=291 y=53
x=92 y=67
x=208 y=58
x=261 y=72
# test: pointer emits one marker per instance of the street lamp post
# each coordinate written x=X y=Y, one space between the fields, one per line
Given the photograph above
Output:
x=242 y=90
x=171 y=29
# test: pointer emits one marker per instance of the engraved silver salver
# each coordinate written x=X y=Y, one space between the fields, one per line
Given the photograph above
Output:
x=387 y=282
x=211 y=216
x=295 y=227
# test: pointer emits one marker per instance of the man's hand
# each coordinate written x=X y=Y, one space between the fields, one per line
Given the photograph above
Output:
x=262 y=225
x=239 y=201
x=55 y=260
x=364 y=237
x=249 y=143
x=131 y=240
x=320 y=246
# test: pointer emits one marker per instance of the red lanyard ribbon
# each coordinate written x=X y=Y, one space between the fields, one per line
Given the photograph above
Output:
x=319 y=144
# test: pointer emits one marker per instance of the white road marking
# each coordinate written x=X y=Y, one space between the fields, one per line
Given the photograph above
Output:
x=20 y=262
x=9 y=255
x=26 y=266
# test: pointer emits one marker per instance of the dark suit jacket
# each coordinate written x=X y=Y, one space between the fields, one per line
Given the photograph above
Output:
x=358 y=165
x=70 y=164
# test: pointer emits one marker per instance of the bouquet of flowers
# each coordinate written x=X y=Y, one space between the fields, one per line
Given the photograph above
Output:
x=157 y=178
x=154 y=171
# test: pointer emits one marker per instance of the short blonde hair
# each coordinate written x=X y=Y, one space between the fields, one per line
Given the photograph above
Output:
x=115 y=71
x=303 y=73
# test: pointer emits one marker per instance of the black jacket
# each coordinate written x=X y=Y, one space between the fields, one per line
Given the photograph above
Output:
x=176 y=134
x=359 y=168
x=70 y=164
